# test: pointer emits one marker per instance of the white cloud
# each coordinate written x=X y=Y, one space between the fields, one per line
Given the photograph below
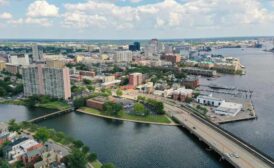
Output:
x=16 y=21
x=6 y=16
x=171 y=13
x=3 y=2
x=40 y=21
x=41 y=8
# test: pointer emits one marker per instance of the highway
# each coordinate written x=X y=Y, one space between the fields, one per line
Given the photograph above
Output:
x=234 y=151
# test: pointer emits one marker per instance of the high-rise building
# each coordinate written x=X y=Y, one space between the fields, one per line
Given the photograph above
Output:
x=55 y=63
x=36 y=55
x=135 y=79
x=57 y=82
x=41 y=80
x=152 y=49
x=21 y=59
x=123 y=56
x=33 y=80
x=135 y=46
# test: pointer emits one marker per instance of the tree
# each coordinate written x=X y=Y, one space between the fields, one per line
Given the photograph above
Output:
x=119 y=92
x=2 y=92
x=141 y=98
x=4 y=164
x=90 y=88
x=77 y=159
x=139 y=109
x=85 y=149
x=13 y=126
x=80 y=102
x=108 y=165
x=78 y=144
x=92 y=157
x=87 y=81
x=113 y=109
x=42 y=134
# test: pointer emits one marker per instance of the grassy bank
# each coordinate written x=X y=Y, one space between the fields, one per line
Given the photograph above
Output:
x=149 y=118
x=53 y=105
x=96 y=164
x=15 y=102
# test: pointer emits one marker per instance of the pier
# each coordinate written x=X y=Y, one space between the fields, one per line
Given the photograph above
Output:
x=47 y=116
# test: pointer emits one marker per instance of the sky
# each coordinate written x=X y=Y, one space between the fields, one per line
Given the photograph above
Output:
x=135 y=19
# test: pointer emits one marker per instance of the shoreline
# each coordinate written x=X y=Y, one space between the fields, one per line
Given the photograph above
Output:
x=123 y=119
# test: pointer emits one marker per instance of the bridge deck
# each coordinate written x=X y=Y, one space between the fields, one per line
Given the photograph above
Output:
x=219 y=142
x=49 y=115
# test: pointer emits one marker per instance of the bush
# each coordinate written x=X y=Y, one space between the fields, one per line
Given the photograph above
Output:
x=92 y=157
x=78 y=144
x=108 y=165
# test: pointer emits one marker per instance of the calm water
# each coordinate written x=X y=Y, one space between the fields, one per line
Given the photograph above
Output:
x=131 y=145
x=260 y=78
x=20 y=113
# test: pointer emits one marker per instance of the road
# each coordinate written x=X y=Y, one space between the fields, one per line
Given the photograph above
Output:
x=236 y=154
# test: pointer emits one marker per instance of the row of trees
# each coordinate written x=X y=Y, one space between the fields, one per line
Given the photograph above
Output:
x=154 y=105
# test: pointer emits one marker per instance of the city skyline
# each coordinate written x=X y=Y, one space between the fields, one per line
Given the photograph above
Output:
x=134 y=19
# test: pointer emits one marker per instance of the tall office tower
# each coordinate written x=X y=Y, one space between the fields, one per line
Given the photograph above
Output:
x=152 y=49
x=57 y=82
x=123 y=56
x=135 y=46
x=40 y=80
x=36 y=55
x=33 y=81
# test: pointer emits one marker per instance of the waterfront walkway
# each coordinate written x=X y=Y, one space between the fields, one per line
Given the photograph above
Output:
x=123 y=119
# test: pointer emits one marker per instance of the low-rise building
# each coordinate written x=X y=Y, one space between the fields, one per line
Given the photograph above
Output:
x=206 y=65
x=209 y=100
x=97 y=103
x=171 y=58
x=198 y=71
x=190 y=82
x=229 y=108
x=87 y=73
x=135 y=79
x=182 y=94
x=2 y=65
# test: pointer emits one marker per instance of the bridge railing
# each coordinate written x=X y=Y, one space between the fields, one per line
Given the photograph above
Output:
x=236 y=139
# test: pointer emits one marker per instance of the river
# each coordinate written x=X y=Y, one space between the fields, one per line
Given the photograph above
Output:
x=130 y=145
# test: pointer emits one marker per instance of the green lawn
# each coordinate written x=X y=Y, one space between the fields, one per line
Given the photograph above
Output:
x=96 y=164
x=149 y=118
x=54 y=105
x=15 y=102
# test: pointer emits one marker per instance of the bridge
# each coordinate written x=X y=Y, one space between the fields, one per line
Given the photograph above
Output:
x=231 y=148
x=44 y=117
x=237 y=152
